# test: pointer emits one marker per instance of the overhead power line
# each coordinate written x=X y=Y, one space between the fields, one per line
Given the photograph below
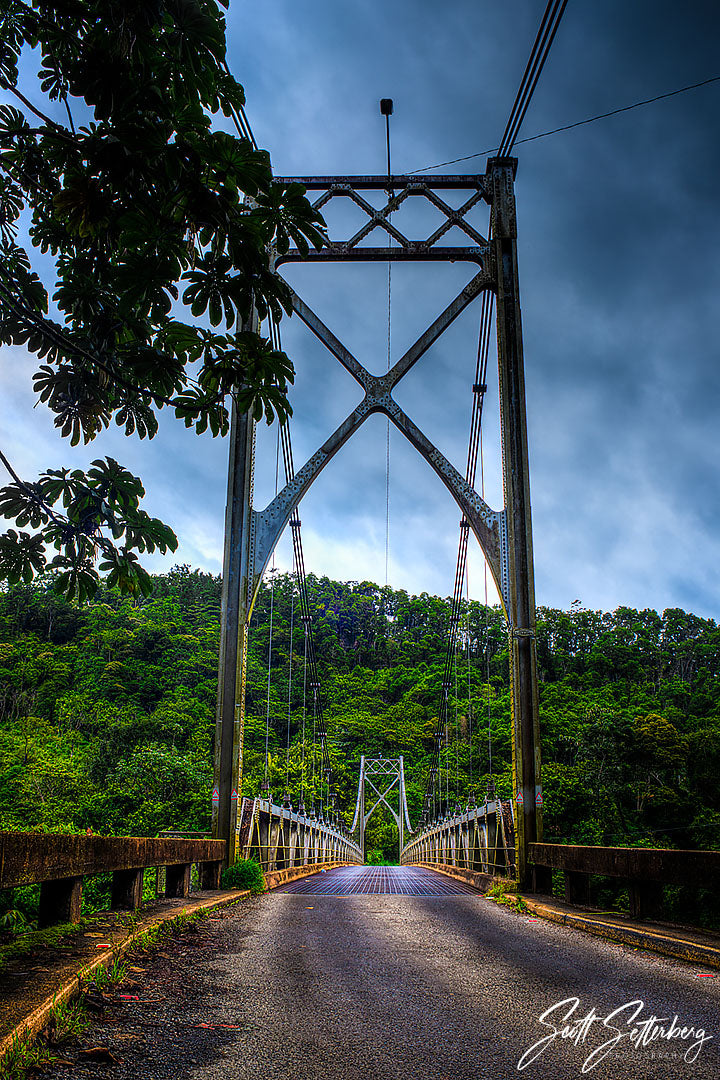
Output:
x=576 y=124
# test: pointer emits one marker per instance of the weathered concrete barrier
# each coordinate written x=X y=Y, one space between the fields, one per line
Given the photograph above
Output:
x=281 y=877
x=644 y=869
x=58 y=863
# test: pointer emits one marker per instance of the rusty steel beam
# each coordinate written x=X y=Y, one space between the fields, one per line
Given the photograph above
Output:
x=413 y=251
x=235 y=617
x=383 y=182
x=520 y=600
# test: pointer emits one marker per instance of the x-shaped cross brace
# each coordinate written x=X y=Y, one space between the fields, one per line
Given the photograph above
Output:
x=382 y=799
x=488 y=525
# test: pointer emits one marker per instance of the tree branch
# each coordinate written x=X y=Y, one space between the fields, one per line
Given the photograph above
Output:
x=58 y=129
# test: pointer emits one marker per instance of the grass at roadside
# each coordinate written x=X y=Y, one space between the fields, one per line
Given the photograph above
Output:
x=505 y=893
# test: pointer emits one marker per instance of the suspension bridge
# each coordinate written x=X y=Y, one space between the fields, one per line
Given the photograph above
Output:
x=409 y=968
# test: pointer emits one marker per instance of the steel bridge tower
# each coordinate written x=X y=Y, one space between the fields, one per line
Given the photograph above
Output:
x=505 y=536
x=381 y=775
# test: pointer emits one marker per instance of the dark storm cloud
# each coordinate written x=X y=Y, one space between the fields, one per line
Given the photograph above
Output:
x=619 y=272
x=618 y=263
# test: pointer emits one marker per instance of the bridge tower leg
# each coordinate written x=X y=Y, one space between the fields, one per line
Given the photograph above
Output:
x=402 y=802
x=230 y=718
x=361 y=803
x=519 y=546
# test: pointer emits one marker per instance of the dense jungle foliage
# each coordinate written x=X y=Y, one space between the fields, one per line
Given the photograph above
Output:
x=107 y=709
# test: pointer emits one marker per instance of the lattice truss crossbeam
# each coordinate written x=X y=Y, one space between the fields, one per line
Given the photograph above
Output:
x=487 y=524
x=338 y=188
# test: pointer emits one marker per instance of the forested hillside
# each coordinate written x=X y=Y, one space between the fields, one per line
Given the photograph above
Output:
x=107 y=710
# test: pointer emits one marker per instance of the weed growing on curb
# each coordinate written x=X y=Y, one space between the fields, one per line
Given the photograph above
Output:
x=505 y=893
x=67 y=1022
x=24 y=1054
x=107 y=978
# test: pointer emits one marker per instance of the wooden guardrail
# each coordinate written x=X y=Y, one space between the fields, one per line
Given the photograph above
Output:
x=644 y=869
x=58 y=863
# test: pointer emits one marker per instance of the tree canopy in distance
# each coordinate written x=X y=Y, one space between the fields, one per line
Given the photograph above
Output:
x=157 y=227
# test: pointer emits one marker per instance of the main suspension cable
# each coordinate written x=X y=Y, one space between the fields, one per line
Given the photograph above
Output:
x=538 y=55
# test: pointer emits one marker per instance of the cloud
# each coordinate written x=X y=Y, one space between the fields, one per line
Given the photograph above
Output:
x=618 y=238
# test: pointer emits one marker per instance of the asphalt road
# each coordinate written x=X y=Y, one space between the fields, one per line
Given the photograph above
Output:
x=368 y=987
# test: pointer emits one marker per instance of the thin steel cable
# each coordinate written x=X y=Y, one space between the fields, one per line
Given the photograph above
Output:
x=387 y=427
x=457 y=740
x=288 y=464
x=479 y=391
x=304 y=710
x=290 y=660
x=487 y=622
x=270 y=639
x=469 y=690
x=541 y=35
x=314 y=751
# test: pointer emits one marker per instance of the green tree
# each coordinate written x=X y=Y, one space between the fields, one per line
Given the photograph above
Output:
x=154 y=227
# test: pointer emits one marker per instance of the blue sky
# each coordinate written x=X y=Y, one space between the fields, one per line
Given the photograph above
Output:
x=619 y=268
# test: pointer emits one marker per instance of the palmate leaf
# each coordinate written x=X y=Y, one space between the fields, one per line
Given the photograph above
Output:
x=233 y=163
x=56 y=484
x=144 y=219
x=23 y=503
x=148 y=534
x=138 y=419
x=11 y=205
x=125 y=573
x=199 y=410
x=22 y=556
x=77 y=580
x=215 y=288
x=114 y=484
x=284 y=214
x=100 y=502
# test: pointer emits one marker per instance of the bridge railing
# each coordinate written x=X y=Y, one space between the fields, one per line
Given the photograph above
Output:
x=479 y=840
x=644 y=870
x=281 y=838
x=59 y=863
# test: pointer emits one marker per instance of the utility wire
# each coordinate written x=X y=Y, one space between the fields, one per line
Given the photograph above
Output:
x=386 y=108
x=577 y=124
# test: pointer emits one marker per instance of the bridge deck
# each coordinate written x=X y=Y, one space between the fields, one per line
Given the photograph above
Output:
x=363 y=880
x=391 y=987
